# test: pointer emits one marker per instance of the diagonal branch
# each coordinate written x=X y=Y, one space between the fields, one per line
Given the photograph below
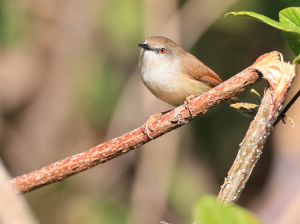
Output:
x=279 y=77
x=287 y=107
x=166 y=123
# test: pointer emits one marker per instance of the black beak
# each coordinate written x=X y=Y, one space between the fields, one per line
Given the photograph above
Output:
x=145 y=46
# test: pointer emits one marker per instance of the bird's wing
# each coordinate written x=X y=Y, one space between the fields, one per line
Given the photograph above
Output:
x=196 y=70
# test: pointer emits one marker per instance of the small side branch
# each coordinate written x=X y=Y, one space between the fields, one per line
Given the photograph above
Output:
x=166 y=123
x=287 y=107
x=279 y=77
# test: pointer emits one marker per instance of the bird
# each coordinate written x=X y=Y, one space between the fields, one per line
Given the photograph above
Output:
x=174 y=75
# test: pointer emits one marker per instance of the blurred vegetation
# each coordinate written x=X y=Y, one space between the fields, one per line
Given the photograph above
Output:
x=208 y=210
x=13 y=23
x=97 y=68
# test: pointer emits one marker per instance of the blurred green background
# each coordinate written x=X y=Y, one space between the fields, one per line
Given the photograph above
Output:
x=70 y=80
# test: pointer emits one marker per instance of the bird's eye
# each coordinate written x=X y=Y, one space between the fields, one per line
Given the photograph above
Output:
x=162 y=50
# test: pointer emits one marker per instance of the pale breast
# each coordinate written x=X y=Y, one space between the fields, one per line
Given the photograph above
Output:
x=167 y=83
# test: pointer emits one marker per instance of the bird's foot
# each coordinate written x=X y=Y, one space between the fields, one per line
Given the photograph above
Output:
x=147 y=128
x=187 y=103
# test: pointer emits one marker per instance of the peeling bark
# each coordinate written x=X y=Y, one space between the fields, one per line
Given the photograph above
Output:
x=279 y=75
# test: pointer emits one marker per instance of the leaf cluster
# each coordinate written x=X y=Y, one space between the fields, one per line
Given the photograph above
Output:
x=289 y=24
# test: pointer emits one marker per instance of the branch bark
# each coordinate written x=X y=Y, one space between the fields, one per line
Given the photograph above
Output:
x=279 y=76
x=166 y=123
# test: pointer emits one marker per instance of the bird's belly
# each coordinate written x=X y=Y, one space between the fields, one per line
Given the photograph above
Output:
x=177 y=95
x=174 y=90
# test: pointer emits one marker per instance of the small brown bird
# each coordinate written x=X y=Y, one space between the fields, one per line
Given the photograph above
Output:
x=172 y=74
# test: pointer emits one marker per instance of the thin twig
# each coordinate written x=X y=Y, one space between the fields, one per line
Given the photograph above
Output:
x=287 y=107
x=166 y=123
x=279 y=77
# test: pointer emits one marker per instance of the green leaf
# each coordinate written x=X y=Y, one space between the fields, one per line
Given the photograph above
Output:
x=252 y=15
x=297 y=60
x=291 y=17
x=289 y=24
x=208 y=210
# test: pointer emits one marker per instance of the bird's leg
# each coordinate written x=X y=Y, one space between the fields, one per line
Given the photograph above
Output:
x=147 y=127
x=187 y=104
